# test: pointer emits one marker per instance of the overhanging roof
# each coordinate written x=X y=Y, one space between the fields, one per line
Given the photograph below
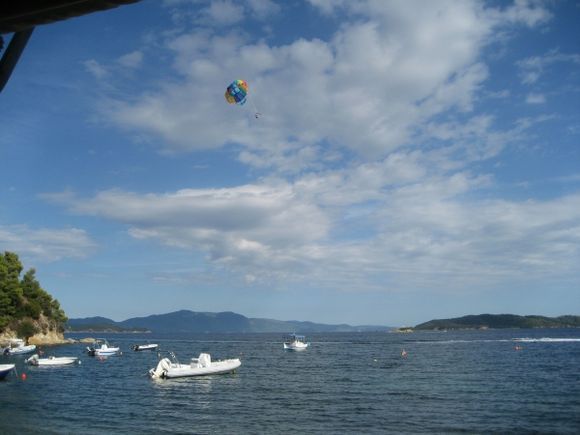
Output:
x=18 y=15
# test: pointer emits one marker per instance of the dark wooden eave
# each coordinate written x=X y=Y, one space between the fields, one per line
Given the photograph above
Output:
x=20 y=17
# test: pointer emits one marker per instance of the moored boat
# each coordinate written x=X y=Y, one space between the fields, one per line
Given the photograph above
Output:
x=101 y=347
x=35 y=360
x=141 y=347
x=18 y=347
x=5 y=369
x=168 y=368
x=296 y=343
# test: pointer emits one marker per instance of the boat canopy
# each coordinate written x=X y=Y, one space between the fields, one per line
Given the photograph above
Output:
x=204 y=359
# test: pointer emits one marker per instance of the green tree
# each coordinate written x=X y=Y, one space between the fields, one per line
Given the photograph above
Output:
x=24 y=300
x=31 y=309
x=30 y=286
x=6 y=308
x=32 y=293
x=10 y=290
x=26 y=329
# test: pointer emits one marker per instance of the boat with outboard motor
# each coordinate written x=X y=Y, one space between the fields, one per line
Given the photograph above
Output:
x=296 y=342
x=141 y=347
x=35 y=360
x=168 y=368
x=17 y=346
x=5 y=369
x=101 y=347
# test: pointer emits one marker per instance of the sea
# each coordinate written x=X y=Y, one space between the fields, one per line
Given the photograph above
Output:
x=474 y=382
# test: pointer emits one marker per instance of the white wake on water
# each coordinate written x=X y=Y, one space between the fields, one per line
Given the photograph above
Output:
x=547 y=340
x=506 y=340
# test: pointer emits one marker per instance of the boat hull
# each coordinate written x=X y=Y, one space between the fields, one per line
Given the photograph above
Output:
x=169 y=370
x=296 y=347
x=5 y=369
x=142 y=347
x=20 y=350
x=296 y=343
x=106 y=352
x=51 y=361
x=103 y=350
x=217 y=368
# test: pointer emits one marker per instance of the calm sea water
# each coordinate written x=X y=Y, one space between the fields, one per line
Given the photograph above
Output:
x=471 y=382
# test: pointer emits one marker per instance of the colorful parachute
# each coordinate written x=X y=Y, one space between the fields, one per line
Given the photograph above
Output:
x=236 y=92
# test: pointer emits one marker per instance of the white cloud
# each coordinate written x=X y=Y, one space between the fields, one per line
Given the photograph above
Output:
x=377 y=128
x=131 y=60
x=46 y=244
x=366 y=90
x=96 y=69
x=206 y=13
x=262 y=9
x=528 y=12
x=329 y=6
x=224 y=12
x=243 y=222
x=535 y=99
x=389 y=221
x=532 y=68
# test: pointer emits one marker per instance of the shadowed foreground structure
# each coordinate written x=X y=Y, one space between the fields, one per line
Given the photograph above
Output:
x=21 y=17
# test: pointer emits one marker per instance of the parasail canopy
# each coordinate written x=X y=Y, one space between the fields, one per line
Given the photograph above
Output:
x=236 y=92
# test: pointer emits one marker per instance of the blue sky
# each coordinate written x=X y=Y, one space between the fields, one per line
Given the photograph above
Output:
x=414 y=160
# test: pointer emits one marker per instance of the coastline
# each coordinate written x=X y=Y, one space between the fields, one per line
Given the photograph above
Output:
x=51 y=338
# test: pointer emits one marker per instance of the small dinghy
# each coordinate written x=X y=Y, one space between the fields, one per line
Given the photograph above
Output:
x=17 y=347
x=141 y=347
x=101 y=347
x=296 y=343
x=201 y=366
x=35 y=360
x=5 y=369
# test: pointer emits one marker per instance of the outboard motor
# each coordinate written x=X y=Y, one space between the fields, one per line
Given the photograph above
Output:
x=33 y=360
x=161 y=370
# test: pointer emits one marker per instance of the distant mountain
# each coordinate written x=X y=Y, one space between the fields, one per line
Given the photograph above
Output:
x=500 y=321
x=98 y=324
x=270 y=325
x=195 y=322
x=94 y=321
x=190 y=321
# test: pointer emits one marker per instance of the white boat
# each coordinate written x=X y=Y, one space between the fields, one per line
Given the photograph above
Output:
x=140 y=347
x=5 y=369
x=203 y=365
x=101 y=347
x=35 y=360
x=17 y=347
x=296 y=343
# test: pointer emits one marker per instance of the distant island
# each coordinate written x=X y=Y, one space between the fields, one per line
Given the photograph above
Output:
x=100 y=324
x=186 y=321
x=499 y=321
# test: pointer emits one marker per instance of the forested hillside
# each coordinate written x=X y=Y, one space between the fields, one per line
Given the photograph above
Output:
x=499 y=321
x=25 y=307
x=201 y=322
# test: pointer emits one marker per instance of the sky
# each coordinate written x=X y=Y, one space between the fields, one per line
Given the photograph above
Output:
x=413 y=160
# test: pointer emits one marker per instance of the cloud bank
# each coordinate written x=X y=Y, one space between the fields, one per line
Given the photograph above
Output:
x=374 y=153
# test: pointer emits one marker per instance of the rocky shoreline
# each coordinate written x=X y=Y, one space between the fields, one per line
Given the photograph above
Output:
x=51 y=338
